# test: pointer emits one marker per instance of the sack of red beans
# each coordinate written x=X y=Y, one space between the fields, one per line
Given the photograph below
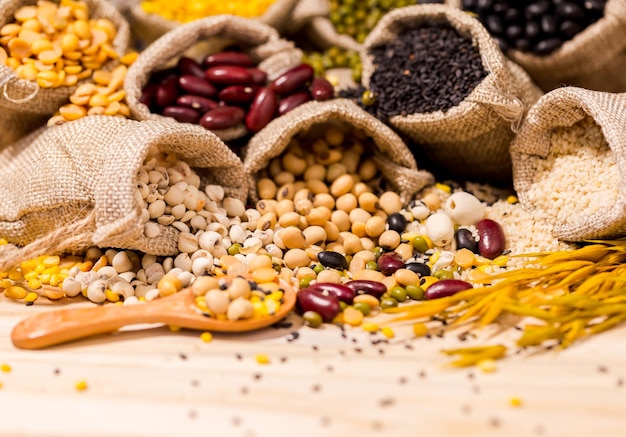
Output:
x=51 y=75
x=148 y=26
x=435 y=74
x=568 y=161
x=75 y=185
x=394 y=160
x=576 y=42
x=170 y=81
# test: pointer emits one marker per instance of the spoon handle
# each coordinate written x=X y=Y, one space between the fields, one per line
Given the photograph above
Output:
x=54 y=327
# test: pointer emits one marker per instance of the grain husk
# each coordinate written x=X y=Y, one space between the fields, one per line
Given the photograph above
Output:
x=74 y=185
x=394 y=159
x=470 y=140
x=273 y=54
x=23 y=104
x=564 y=107
x=594 y=59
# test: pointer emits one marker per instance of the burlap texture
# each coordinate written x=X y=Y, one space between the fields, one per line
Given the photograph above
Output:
x=274 y=55
x=471 y=140
x=23 y=104
x=149 y=27
x=564 y=107
x=594 y=59
x=74 y=185
x=394 y=159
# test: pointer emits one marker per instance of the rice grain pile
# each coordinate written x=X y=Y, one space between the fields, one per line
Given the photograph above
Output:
x=562 y=185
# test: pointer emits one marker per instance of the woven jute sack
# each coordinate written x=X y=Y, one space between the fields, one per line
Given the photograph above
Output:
x=273 y=54
x=23 y=104
x=470 y=140
x=148 y=27
x=562 y=108
x=594 y=59
x=395 y=160
x=74 y=185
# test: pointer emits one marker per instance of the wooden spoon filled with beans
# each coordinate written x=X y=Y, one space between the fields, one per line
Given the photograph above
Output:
x=181 y=309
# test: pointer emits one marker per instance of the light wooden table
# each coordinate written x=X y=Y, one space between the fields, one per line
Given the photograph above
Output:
x=160 y=383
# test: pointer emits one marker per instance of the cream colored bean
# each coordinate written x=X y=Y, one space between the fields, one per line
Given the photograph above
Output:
x=389 y=239
x=346 y=202
x=295 y=258
x=303 y=194
x=341 y=219
x=238 y=287
x=359 y=215
x=284 y=178
x=390 y=202
x=369 y=202
x=240 y=308
x=334 y=171
x=329 y=275
x=375 y=226
x=332 y=231
x=314 y=235
x=405 y=251
x=317 y=186
x=318 y=216
x=316 y=172
x=293 y=238
x=267 y=221
x=289 y=219
x=217 y=301
x=305 y=272
x=342 y=185
x=368 y=170
x=293 y=164
x=360 y=188
x=284 y=206
x=324 y=199
x=334 y=136
x=303 y=206
x=351 y=243
x=406 y=277
x=266 y=188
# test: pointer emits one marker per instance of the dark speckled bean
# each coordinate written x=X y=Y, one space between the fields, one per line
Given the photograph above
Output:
x=332 y=260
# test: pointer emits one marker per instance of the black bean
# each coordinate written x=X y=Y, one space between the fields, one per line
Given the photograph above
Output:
x=549 y=24
x=538 y=8
x=570 y=28
x=421 y=269
x=333 y=260
x=570 y=10
x=493 y=23
x=465 y=240
x=396 y=222
x=548 y=45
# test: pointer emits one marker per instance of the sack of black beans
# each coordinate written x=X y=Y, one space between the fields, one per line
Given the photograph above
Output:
x=594 y=58
x=394 y=160
x=434 y=73
x=196 y=41
x=75 y=185
x=31 y=92
x=568 y=159
x=149 y=26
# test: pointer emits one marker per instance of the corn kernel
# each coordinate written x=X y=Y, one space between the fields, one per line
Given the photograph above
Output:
x=515 y=402
x=388 y=332
x=487 y=365
x=15 y=292
x=173 y=328
x=5 y=368
x=34 y=284
x=112 y=296
x=420 y=329
x=262 y=359
x=31 y=297
x=81 y=385
x=370 y=327
x=206 y=337
x=443 y=187
x=512 y=199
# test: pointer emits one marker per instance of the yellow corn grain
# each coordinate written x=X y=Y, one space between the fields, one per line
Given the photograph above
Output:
x=206 y=337
x=15 y=292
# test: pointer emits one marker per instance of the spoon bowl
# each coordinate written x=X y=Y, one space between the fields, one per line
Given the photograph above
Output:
x=60 y=326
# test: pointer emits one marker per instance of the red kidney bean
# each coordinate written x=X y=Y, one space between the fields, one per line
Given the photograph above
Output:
x=341 y=292
x=238 y=59
x=445 y=288
x=389 y=262
x=321 y=89
x=229 y=75
x=492 y=239
x=200 y=103
x=196 y=85
x=189 y=66
x=312 y=300
x=259 y=77
x=364 y=286
x=182 y=114
x=148 y=94
x=297 y=77
x=222 y=117
x=237 y=94
x=261 y=110
x=166 y=92
x=296 y=99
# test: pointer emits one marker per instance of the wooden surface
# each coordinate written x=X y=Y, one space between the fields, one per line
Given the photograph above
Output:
x=156 y=383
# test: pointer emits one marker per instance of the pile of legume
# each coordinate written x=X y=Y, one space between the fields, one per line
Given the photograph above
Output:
x=539 y=26
x=228 y=89
x=102 y=96
x=56 y=44
x=188 y=10
x=426 y=69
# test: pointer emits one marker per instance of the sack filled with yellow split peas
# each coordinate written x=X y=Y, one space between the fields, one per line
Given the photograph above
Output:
x=151 y=19
x=78 y=184
x=246 y=77
x=330 y=148
x=47 y=49
x=434 y=74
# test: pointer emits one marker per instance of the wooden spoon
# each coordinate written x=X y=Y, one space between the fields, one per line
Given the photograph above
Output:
x=55 y=327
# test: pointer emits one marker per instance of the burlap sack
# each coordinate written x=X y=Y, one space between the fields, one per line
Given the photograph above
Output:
x=148 y=27
x=471 y=140
x=23 y=105
x=594 y=59
x=274 y=55
x=564 y=107
x=394 y=159
x=74 y=185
